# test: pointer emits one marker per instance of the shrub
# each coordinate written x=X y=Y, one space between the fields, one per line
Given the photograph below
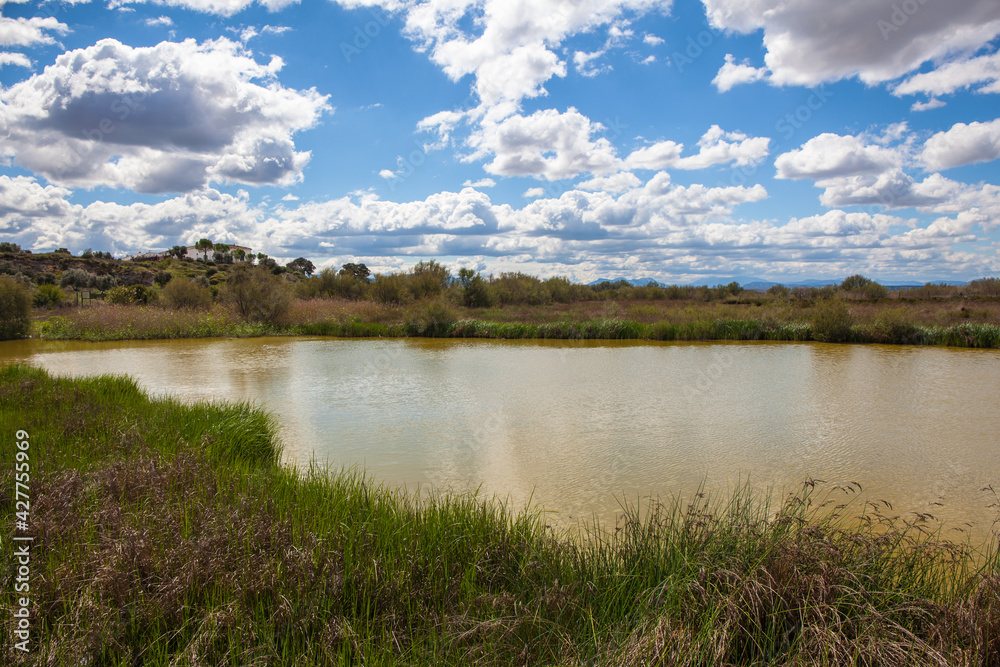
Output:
x=390 y=288
x=47 y=295
x=163 y=277
x=185 y=293
x=432 y=318
x=477 y=293
x=130 y=295
x=7 y=246
x=779 y=291
x=893 y=326
x=15 y=308
x=77 y=279
x=428 y=279
x=256 y=295
x=832 y=322
x=985 y=287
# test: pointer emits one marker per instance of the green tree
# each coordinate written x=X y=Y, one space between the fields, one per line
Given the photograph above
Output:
x=7 y=246
x=832 y=322
x=359 y=271
x=256 y=295
x=77 y=279
x=204 y=245
x=239 y=254
x=301 y=264
x=854 y=283
x=429 y=279
x=177 y=251
x=47 y=295
x=15 y=308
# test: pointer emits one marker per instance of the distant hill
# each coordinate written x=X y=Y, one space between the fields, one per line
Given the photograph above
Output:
x=761 y=285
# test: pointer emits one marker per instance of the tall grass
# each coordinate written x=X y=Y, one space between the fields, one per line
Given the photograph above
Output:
x=436 y=319
x=168 y=535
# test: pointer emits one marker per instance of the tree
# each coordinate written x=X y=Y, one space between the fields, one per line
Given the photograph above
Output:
x=429 y=279
x=15 y=308
x=855 y=283
x=162 y=278
x=87 y=254
x=204 y=245
x=256 y=295
x=475 y=290
x=77 y=279
x=188 y=294
x=239 y=254
x=177 y=251
x=7 y=246
x=302 y=264
x=359 y=271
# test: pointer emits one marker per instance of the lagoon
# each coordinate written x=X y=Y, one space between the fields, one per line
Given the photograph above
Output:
x=577 y=427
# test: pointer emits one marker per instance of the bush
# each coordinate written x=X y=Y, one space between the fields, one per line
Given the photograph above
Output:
x=256 y=295
x=832 y=322
x=163 y=277
x=130 y=295
x=77 y=279
x=7 y=246
x=477 y=293
x=15 y=309
x=985 y=287
x=185 y=293
x=428 y=279
x=779 y=291
x=893 y=327
x=48 y=295
x=432 y=318
x=390 y=288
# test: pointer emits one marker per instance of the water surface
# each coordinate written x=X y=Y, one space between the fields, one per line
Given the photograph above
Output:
x=576 y=426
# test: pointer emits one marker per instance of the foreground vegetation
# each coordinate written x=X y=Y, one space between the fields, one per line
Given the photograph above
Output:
x=170 y=535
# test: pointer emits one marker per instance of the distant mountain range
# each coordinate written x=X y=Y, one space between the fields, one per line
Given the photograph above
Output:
x=760 y=285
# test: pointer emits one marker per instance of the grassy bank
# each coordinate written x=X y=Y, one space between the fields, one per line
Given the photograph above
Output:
x=858 y=323
x=169 y=535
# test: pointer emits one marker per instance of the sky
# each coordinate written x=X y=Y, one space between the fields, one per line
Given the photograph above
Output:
x=684 y=141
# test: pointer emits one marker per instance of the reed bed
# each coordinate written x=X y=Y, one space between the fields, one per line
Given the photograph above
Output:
x=169 y=534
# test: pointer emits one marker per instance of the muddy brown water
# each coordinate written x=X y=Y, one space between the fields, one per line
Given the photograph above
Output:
x=576 y=427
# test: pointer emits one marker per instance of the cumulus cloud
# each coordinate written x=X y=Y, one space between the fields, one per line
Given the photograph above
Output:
x=547 y=144
x=982 y=71
x=652 y=40
x=19 y=59
x=615 y=183
x=733 y=74
x=932 y=103
x=172 y=117
x=809 y=42
x=831 y=155
x=715 y=147
x=161 y=20
x=29 y=31
x=481 y=183
x=962 y=144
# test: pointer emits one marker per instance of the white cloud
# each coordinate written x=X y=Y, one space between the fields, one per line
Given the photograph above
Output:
x=585 y=63
x=715 y=147
x=933 y=103
x=30 y=31
x=171 y=117
x=963 y=144
x=615 y=183
x=162 y=20
x=648 y=60
x=810 y=41
x=387 y=174
x=7 y=58
x=652 y=40
x=481 y=183
x=532 y=193
x=218 y=7
x=955 y=75
x=546 y=144
x=831 y=155
x=732 y=74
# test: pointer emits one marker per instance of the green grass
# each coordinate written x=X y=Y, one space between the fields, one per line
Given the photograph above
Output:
x=168 y=534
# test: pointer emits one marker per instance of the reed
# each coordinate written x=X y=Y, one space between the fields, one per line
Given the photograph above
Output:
x=169 y=534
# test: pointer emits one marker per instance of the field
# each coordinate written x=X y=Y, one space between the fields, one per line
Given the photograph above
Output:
x=167 y=534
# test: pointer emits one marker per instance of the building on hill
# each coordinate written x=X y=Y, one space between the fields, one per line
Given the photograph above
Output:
x=191 y=252
x=196 y=254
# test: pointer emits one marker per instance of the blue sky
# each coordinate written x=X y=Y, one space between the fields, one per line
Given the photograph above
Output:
x=679 y=141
